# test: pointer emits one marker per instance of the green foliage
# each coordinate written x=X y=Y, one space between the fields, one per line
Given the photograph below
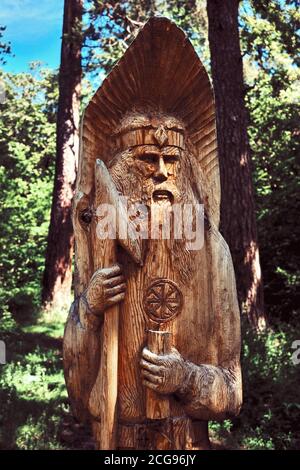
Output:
x=32 y=390
x=111 y=27
x=35 y=413
x=280 y=21
x=273 y=80
x=5 y=47
x=27 y=153
x=270 y=416
x=271 y=411
x=273 y=135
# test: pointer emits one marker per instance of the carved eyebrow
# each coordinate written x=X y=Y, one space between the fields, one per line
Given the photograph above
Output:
x=171 y=152
x=147 y=154
x=173 y=155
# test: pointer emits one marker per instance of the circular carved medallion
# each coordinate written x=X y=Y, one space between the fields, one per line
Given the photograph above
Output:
x=162 y=300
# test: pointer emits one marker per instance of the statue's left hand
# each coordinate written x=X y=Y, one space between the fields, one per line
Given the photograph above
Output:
x=164 y=374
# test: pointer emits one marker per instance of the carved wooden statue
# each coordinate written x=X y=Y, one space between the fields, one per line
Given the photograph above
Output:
x=152 y=342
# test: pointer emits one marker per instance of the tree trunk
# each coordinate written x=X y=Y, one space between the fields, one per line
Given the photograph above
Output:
x=238 y=222
x=58 y=269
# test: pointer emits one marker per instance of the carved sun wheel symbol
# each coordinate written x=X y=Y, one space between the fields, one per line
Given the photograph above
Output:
x=162 y=300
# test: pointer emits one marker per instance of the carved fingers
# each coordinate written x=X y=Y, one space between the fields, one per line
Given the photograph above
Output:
x=162 y=373
x=106 y=288
x=150 y=368
x=114 y=286
x=110 y=272
x=115 y=299
x=113 y=281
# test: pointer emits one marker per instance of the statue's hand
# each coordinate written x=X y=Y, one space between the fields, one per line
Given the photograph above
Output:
x=106 y=288
x=164 y=374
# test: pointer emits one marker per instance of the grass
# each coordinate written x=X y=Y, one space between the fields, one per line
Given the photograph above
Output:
x=33 y=395
x=270 y=416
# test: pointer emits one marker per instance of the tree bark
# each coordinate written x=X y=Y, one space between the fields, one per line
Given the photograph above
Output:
x=238 y=222
x=58 y=268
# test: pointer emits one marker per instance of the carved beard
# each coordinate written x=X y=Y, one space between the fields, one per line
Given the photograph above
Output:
x=131 y=182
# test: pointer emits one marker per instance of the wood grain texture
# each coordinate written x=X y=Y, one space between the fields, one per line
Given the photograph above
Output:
x=105 y=389
x=157 y=406
x=155 y=130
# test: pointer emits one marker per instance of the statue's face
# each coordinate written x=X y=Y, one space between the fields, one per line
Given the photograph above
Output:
x=149 y=173
x=153 y=168
x=158 y=168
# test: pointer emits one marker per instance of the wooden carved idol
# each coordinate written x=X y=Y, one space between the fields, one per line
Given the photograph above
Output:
x=152 y=342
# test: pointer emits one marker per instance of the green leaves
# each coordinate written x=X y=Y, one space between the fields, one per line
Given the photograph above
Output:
x=111 y=27
x=32 y=390
x=273 y=77
x=5 y=47
x=27 y=154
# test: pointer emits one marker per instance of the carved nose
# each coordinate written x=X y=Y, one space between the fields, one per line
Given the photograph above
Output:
x=161 y=173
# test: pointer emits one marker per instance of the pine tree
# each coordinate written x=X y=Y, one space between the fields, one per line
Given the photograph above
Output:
x=58 y=269
x=238 y=222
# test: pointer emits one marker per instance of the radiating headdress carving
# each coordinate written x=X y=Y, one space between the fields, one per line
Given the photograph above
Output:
x=160 y=70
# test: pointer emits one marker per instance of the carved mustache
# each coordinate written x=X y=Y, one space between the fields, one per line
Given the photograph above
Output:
x=165 y=190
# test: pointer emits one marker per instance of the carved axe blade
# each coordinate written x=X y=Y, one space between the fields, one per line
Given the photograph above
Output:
x=132 y=242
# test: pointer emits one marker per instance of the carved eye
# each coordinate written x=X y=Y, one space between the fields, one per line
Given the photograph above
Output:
x=86 y=216
x=148 y=158
x=171 y=158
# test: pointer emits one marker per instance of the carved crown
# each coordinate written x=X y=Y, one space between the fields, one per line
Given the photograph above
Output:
x=149 y=128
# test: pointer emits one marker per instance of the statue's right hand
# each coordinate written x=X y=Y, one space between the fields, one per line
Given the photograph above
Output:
x=106 y=288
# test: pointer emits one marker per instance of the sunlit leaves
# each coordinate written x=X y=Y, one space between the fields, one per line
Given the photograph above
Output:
x=269 y=42
x=27 y=153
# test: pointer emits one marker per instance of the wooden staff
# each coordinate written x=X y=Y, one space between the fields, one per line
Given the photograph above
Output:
x=158 y=406
x=103 y=399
